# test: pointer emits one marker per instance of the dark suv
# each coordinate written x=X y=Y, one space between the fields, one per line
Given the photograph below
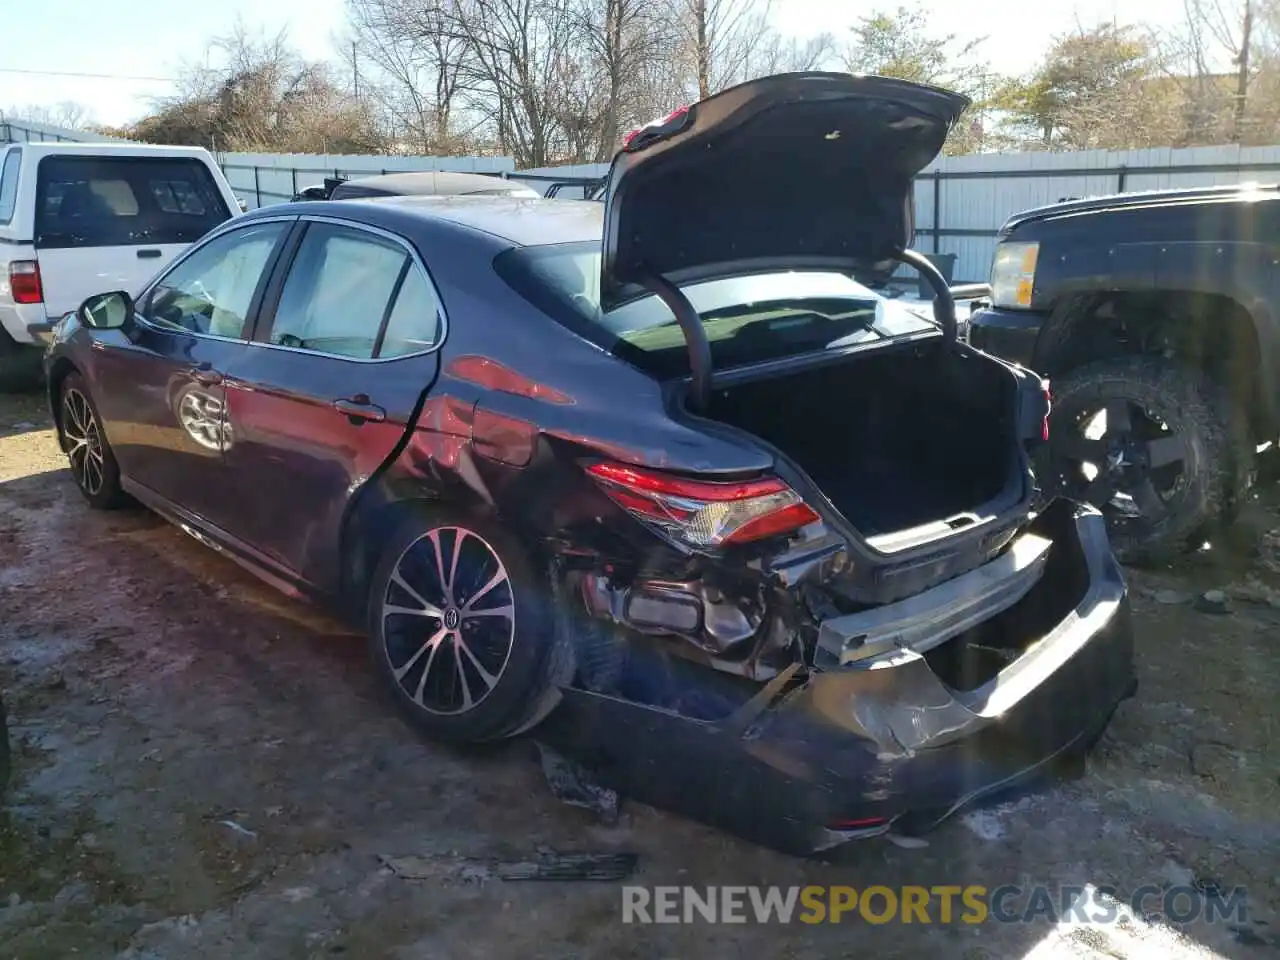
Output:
x=1152 y=316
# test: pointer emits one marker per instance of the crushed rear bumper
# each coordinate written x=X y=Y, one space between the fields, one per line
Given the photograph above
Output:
x=891 y=741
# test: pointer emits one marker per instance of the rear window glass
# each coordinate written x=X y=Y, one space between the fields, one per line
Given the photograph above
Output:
x=9 y=183
x=124 y=201
x=748 y=319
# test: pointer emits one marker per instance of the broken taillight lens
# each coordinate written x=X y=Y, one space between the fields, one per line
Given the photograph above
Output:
x=704 y=513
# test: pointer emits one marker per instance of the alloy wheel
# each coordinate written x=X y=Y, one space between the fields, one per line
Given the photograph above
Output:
x=448 y=620
x=84 y=439
x=1122 y=458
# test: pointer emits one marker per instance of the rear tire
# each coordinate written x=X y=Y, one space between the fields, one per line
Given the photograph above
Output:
x=93 y=464
x=1177 y=462
x=462 y=628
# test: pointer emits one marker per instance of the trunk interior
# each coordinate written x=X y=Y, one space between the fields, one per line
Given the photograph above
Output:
x=896 y=437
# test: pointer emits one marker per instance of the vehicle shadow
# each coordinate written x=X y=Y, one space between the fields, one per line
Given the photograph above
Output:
x=23 y=413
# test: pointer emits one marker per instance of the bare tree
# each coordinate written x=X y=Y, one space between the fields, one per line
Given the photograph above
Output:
x=720 y=38
x=778 y=54
x=516 y=71
x=421 y=62
x=621 y=40
x=1214 y=28
x=67 y=114
x=254 y=92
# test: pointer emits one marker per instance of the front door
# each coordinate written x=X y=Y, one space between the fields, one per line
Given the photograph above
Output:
x=324 y=394
x=161 y=392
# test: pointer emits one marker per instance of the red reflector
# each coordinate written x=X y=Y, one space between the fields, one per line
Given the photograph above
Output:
x=651 y=482
x=24 y=282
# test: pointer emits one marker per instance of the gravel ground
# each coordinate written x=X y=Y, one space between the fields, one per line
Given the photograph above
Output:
x=205 y=769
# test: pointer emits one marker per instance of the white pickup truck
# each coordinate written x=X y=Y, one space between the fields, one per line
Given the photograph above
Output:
x=84 y=218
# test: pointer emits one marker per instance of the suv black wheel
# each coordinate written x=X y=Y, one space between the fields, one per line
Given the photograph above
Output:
x=88 y=453
x=461 y=627
x=1159 y=449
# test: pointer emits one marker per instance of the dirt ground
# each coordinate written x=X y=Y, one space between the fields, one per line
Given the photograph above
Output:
x=204 y=769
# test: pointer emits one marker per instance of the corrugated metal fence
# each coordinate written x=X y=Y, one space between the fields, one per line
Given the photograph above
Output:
x=261 y=179
x=960 y=202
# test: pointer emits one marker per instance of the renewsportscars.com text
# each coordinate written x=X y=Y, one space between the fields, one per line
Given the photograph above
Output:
x=944 y=903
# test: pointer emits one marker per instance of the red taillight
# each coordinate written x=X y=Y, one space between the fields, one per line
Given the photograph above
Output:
x=24 y=282
x=1048 y=406
x=705 y=513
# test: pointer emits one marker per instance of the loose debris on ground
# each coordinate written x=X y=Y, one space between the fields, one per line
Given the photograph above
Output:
x=207 y=770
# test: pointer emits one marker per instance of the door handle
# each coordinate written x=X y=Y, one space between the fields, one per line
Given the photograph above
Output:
x=204 y=374
x=360 y=408
x=149 y=254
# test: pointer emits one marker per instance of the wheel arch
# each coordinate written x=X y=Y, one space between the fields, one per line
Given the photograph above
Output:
x=1207 y=330
x=371 y=520
x=61 y=368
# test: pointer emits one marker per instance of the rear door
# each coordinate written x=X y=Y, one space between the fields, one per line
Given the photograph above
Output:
x=345 y=348
x=112 y=222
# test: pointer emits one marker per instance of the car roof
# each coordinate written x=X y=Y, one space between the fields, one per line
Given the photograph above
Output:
x=117 y=148
x=519 y=221
x=429 y=183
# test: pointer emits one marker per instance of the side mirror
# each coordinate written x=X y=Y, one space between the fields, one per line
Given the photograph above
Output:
x=106 y=311
x=242 y=204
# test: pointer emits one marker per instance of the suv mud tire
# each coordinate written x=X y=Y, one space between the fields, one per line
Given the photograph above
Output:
x=1200 y=464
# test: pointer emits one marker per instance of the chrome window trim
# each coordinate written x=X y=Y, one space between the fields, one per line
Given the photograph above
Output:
x=232 y=225
x=417 y=260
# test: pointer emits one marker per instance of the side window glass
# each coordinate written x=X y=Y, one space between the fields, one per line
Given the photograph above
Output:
x=211 y=291
x=337 y=292
x=414 y=324
x=9 y=183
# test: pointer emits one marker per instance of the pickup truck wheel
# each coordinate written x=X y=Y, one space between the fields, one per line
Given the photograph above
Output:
x=461 y=628
x=1158 y=448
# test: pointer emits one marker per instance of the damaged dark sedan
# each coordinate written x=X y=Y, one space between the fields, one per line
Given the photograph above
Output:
x=661 y=476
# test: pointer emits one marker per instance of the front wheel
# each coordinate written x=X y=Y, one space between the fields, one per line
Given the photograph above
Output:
x=93 y=463
x=1158 y=448
x=462 y=628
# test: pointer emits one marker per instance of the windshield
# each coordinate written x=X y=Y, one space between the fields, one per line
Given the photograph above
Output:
x=747 y=319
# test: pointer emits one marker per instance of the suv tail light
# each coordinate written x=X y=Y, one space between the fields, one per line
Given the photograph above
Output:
x=704 y=513
x=24 y=282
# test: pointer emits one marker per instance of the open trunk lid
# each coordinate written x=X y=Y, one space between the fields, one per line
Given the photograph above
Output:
x=794 y=171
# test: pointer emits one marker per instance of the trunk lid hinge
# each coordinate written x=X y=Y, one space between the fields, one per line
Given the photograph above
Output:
x=944 y=304
x=694 y=334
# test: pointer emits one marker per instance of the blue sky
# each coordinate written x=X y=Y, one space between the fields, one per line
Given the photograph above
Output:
x=151 y=38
